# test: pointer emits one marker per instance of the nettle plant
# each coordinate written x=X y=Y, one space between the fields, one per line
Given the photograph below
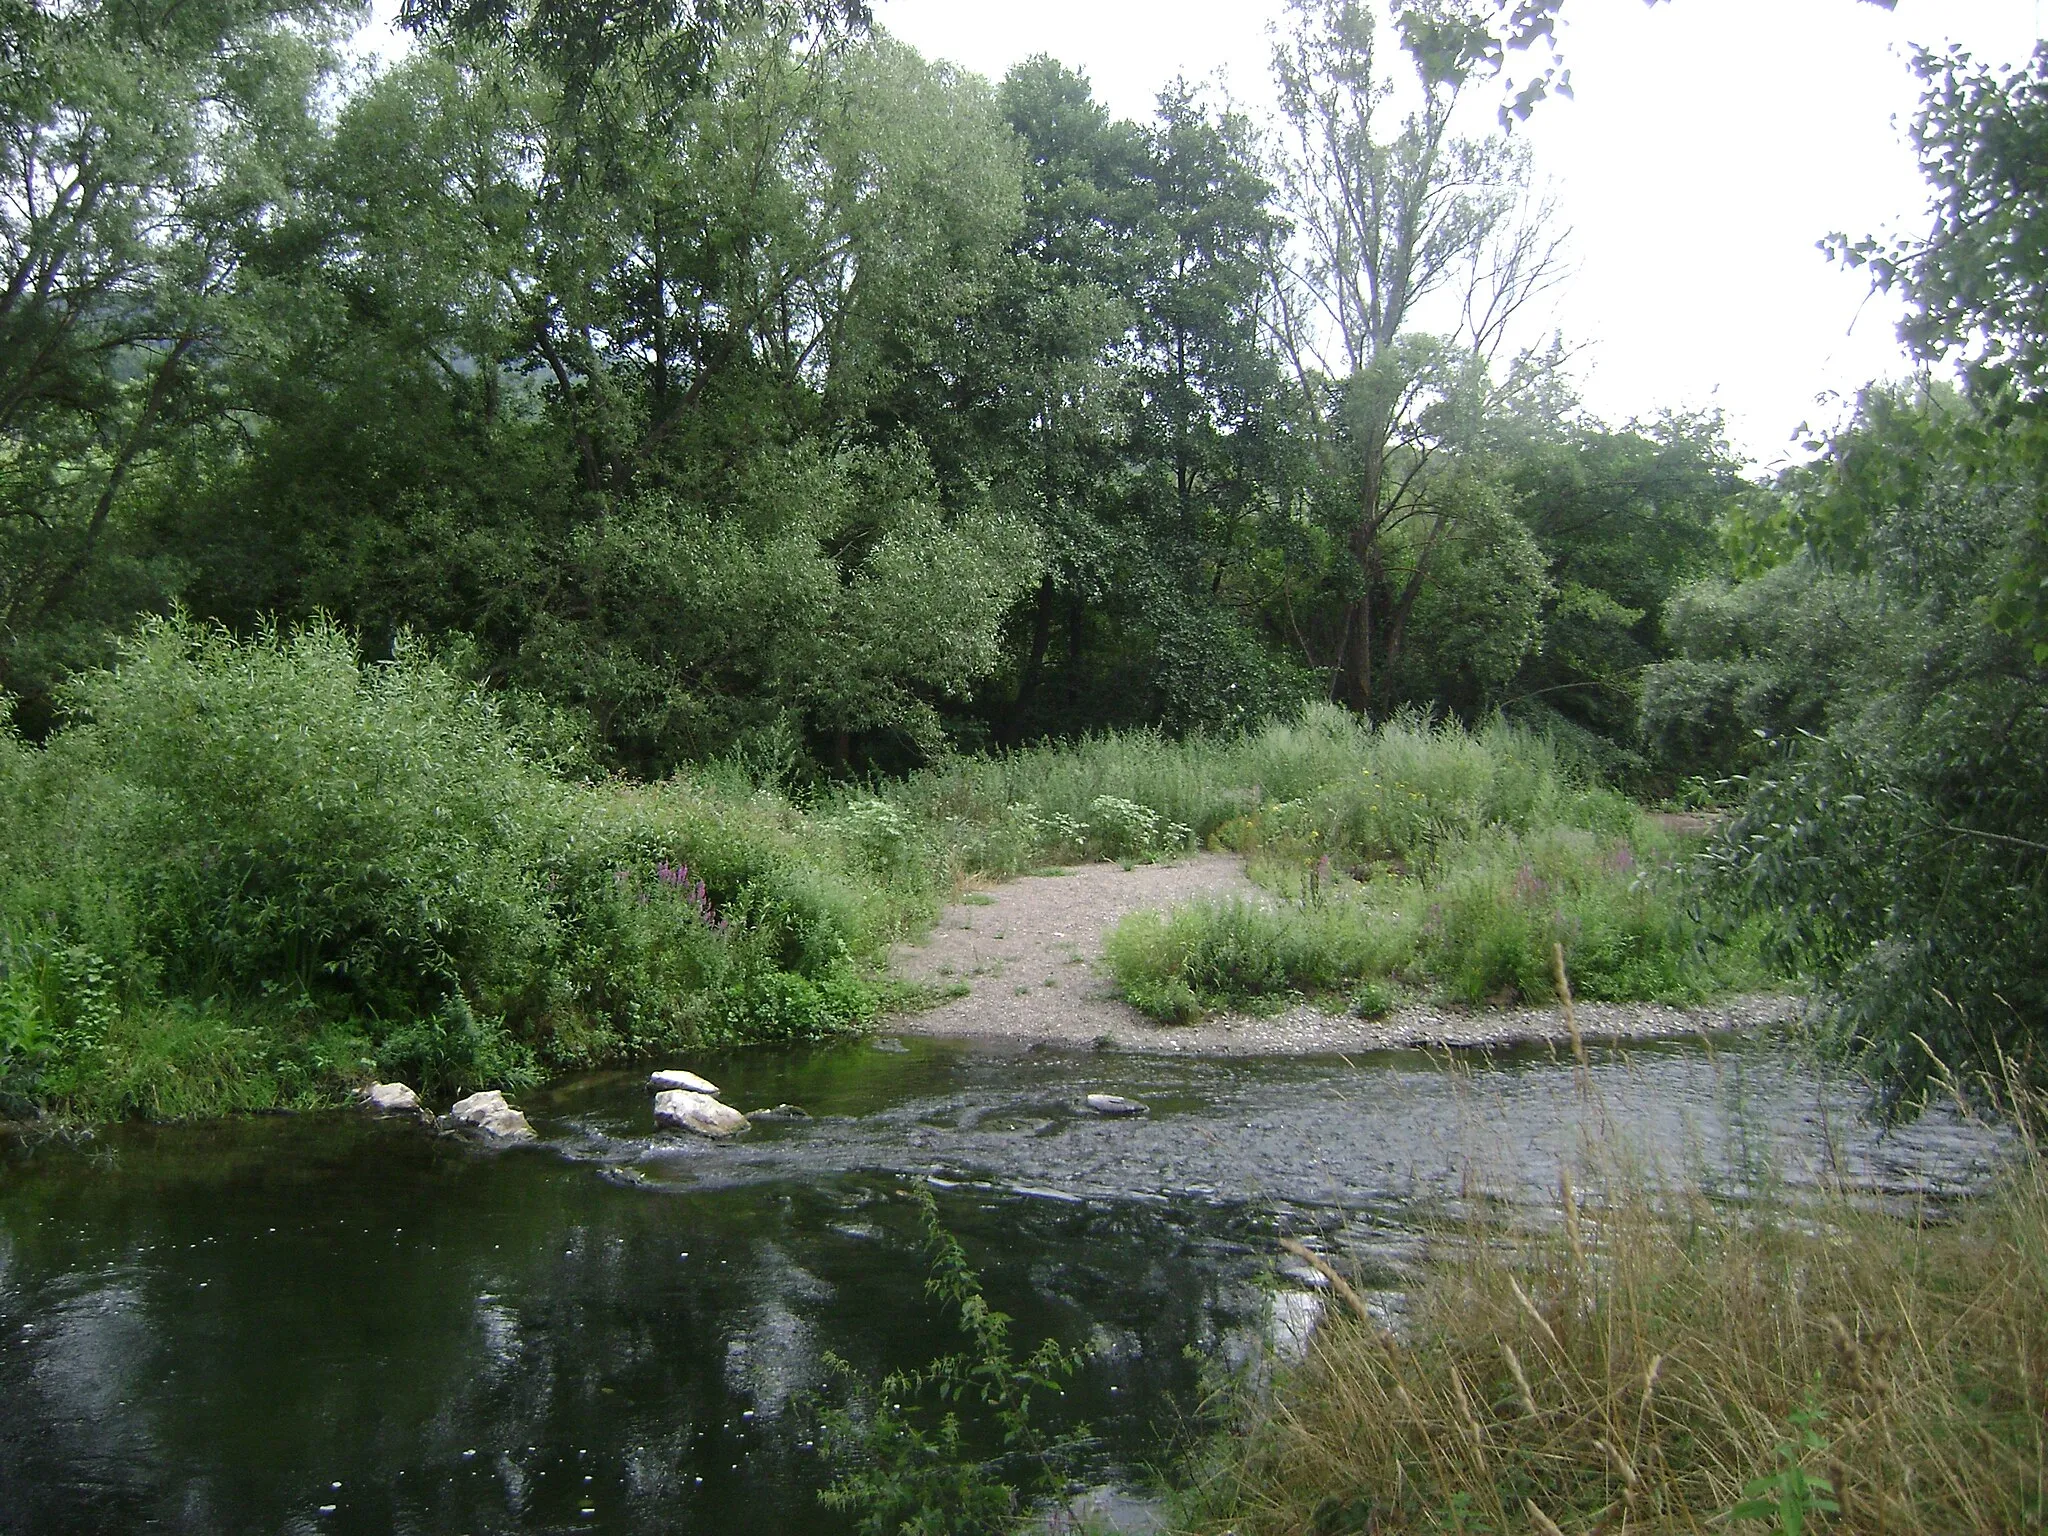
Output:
x=905 y=1461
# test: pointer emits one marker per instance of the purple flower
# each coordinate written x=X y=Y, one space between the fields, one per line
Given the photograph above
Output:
x=677 y=878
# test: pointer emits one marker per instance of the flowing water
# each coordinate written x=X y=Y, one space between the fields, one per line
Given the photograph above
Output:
x=332 y=1323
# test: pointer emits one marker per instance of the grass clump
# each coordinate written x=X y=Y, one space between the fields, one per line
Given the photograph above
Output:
x=1491 y=910
x=1325 y=781
x=1477 y=923
x=1245 y=954
x=1660 y=1362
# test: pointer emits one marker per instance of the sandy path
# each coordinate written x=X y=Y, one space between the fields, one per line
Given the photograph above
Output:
x=1030 y=952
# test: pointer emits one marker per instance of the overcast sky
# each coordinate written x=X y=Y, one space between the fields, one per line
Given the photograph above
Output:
x=1711 y=144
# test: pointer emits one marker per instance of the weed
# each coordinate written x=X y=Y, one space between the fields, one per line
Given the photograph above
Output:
x=1635 y=1365
x=902 y=1456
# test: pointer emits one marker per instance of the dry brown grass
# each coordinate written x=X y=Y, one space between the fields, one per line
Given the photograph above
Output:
x=1633 y=1367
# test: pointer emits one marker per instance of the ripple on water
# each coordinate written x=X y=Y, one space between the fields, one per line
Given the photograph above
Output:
x=211 y=1327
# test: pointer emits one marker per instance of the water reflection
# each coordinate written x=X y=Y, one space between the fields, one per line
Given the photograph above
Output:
x=335 y=1324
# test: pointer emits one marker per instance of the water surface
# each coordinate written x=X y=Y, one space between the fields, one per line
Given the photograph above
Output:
x=330 y=1323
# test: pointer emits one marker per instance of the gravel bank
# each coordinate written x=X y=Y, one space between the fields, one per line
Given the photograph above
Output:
x=1030 y=952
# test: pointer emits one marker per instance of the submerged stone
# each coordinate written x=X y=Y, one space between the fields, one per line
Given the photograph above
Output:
x=674 y=1079
x=1115 y=1105
x=391 y=1099
x=781 y=1113
x=699 y=1113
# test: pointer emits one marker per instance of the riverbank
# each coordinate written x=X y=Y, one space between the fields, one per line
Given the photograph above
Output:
x=1652 y=1358
x=249 y=874
x=1027 y=956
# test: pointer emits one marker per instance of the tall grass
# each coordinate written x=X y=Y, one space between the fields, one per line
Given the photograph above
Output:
x=1661 y=1362
x=1326 y=781
x=1409 y=855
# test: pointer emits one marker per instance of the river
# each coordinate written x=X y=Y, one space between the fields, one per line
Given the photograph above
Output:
x=331 y=1323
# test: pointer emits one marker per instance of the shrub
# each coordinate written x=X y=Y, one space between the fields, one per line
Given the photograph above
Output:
x=1247 y=954
x=237 y=848
x=1478 y=923
x=1500 y=903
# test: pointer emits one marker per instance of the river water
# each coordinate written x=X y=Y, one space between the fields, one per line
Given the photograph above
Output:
x=332 y=1323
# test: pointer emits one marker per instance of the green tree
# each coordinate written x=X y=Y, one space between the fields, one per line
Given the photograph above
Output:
x=1977 y=282
x=1394 y=213
x=599 y=389
x=1626 y=519
x=1899 y=839
x=151 y=157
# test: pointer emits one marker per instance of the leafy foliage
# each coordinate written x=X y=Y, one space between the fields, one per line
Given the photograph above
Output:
x=908 y=1473
x=272 y=826
x=1896 y=837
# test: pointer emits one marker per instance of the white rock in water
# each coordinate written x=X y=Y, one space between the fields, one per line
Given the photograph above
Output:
x=478 y=1107
x=506 y=1125
x=391 y=1099
x=698 y=1112
x=488 y=1112
x=1115 y=1105
x=687 y=1082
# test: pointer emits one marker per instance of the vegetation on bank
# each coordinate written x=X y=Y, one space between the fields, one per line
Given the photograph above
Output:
x=258 y=872
x=1663 y=1359
x=1475 y=924
x=1417 y=857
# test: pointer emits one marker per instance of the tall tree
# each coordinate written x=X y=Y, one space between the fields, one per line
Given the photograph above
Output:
x=149 y=160
x=1399 y=220
x=1977 y=281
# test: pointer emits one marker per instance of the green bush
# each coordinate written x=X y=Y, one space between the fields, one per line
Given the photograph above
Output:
x=1248 y=954
x=1501 y=903
x=269 y=862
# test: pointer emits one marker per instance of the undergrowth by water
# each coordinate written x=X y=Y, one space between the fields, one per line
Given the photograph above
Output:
x=1474 y=921
x=260 y=872
x=906 y=1461
x=1659 y=1360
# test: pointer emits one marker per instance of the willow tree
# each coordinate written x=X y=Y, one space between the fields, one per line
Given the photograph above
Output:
x=1414 y=247
x=147 y=159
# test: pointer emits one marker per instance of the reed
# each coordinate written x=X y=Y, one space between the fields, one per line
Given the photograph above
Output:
x=1656 y=1360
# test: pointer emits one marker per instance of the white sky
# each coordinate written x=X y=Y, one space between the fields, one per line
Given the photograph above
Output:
x=1711 y=144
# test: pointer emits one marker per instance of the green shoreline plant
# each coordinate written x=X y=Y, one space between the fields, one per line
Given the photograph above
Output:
x=256 y=872
x=904 y=1461
x=1664 y=1359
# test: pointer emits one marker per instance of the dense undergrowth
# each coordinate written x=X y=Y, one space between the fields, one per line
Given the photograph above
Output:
x=249 y=873
x=256 y=873
x=1665 y=1361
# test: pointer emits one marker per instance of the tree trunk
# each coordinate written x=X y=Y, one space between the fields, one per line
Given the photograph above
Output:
x=1353 y=684
x=1034 y=664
